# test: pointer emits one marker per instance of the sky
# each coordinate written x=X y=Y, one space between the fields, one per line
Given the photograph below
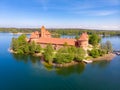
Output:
x=91 y=14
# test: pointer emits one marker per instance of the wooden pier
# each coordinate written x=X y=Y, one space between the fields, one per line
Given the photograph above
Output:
x=117 y=52
x=87 y=61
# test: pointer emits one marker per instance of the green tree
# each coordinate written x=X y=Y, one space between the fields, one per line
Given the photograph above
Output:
x=20 y=51
x=22 y=40
x=109 y=46
x=14 y=44
x=48 y=53
x=94 y=39
x=20 y=45
x=32 y=47
x=94 y=53
x=64 y=55
x=27 y=48
x=103 y=47
x=79 y=54
x=106 y=47
x=38 y=49
x=68 y=54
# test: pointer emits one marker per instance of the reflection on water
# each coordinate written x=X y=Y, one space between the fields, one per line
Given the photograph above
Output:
x=64 y=71
x=48 y=67
x=101 y=64
x=74 y=69
x=26 y=58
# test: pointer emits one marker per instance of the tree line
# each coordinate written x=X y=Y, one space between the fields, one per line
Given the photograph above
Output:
x=62 y=31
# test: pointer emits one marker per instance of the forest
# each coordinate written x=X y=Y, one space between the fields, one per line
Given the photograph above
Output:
x=62 y=31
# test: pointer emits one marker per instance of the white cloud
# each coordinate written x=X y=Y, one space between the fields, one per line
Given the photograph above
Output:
x=96 y=12
x=102 y=27
x=109 y=27
x=103 y=12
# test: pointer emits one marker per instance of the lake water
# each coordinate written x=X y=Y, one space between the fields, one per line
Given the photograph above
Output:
x=28 y=73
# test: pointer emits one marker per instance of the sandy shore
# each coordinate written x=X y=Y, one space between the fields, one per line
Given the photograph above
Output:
x=108 y=57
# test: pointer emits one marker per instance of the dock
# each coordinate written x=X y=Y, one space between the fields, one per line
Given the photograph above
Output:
x=87 y=61
x=117 y=52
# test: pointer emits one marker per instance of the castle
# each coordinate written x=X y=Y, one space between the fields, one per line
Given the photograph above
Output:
x=44 y=37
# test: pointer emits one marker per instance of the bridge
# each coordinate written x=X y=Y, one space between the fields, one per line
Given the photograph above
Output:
x=117 y=52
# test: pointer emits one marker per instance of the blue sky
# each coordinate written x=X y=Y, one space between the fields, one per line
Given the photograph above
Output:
x=96 y=14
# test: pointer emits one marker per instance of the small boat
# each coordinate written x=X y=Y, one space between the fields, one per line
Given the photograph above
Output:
x=87 y=61
x=118 y=53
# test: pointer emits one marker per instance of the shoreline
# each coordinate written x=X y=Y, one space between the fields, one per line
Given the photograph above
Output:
x=61 y=65
x=11 y=51
x=19 y=33
x=106 y=57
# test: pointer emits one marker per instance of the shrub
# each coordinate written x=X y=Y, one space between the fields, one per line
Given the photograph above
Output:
x=20 y=45
x=48 y=53
x=94 y=53
x=79 y=54
x=94 y=39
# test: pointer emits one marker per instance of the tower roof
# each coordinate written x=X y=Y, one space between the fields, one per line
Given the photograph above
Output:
x=84 y=36
x=44 y=32
x=43 y=28
x=58 y=41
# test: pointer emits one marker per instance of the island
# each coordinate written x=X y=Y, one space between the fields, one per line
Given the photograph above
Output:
x=62 y=51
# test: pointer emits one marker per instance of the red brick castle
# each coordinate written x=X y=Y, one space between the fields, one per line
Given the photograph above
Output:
x=44 y=37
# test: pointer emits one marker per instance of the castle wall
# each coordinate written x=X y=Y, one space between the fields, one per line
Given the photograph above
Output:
x=84 y=44
x=56 y=47
x=35 y=36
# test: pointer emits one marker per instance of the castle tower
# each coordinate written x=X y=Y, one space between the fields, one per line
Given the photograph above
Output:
x=35 y=35
x=83 y=40
x=45 y=33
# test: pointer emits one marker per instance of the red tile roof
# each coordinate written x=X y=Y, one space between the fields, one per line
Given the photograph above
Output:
x=32 y=35
x=36 y=32
x=60 y=41
x=45 y=39
x=84 y=36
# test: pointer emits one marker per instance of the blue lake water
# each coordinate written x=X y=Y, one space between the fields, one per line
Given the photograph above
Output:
x=25 y=72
